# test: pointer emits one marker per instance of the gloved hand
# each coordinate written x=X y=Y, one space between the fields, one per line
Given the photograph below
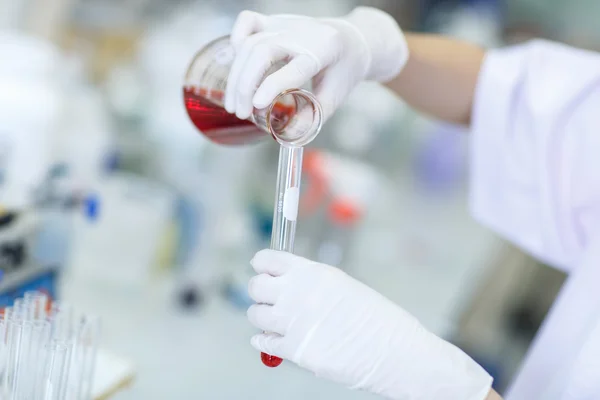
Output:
x=329 y=323
x=338 y=53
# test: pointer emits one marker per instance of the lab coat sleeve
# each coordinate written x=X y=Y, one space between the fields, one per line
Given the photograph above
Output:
x=535 y=149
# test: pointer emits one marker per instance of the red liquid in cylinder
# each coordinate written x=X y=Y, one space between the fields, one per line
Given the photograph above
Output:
x=224 y=128
x=270 y=361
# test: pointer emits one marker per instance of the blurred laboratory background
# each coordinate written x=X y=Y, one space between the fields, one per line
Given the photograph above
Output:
x=121 y=208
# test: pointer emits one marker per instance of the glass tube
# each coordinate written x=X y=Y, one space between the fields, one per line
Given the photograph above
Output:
x=56 y=370
x=14 y=331
x=287 y=197
x=28 y=308
x=23 y=373
x=84 y=357
x=61 y=320
x=17 y=309
x=8 y=312
x=40 y=337
x=36 y=302
x=285 y=214
x=3 y=351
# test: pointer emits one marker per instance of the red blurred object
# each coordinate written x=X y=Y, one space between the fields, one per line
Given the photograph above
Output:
x=316 y=187
x=221 y=127
x=270 y=361
x=344 y=212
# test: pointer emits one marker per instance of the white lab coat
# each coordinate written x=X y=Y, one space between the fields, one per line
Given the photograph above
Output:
x=535 y=179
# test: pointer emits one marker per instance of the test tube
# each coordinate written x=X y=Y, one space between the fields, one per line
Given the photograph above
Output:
x=28 y=308
x=40 y=337
x=61 y=320
x=287 y=197
x=56 y=370
x=23 y=374
x=17 y=309
x=289 y=174
x=36 y=302
x=3 y=347
x=84 y=356
x=14 y=331
x=4 y=343
x=8 y=312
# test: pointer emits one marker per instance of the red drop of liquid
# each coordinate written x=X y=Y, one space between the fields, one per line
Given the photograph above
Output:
x=270 y=361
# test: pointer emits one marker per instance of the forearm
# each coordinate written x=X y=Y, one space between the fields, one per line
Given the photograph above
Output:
x=440 y=77
x=493 y=396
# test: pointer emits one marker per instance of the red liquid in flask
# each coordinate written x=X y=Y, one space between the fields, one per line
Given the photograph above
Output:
x=224 y=128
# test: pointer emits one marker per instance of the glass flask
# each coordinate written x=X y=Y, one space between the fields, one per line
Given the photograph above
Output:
x=294 y=118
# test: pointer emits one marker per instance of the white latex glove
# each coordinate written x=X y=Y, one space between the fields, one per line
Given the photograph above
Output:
x=338 y=53
x=331 y=324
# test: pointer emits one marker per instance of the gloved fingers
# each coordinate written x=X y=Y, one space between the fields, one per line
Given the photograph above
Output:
x=259 y=60
x=270 y=343
x=275 y=263
x=264 y=289
x=263 y=317
x=295 y=74
x=238 y=68
x=246 y=24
